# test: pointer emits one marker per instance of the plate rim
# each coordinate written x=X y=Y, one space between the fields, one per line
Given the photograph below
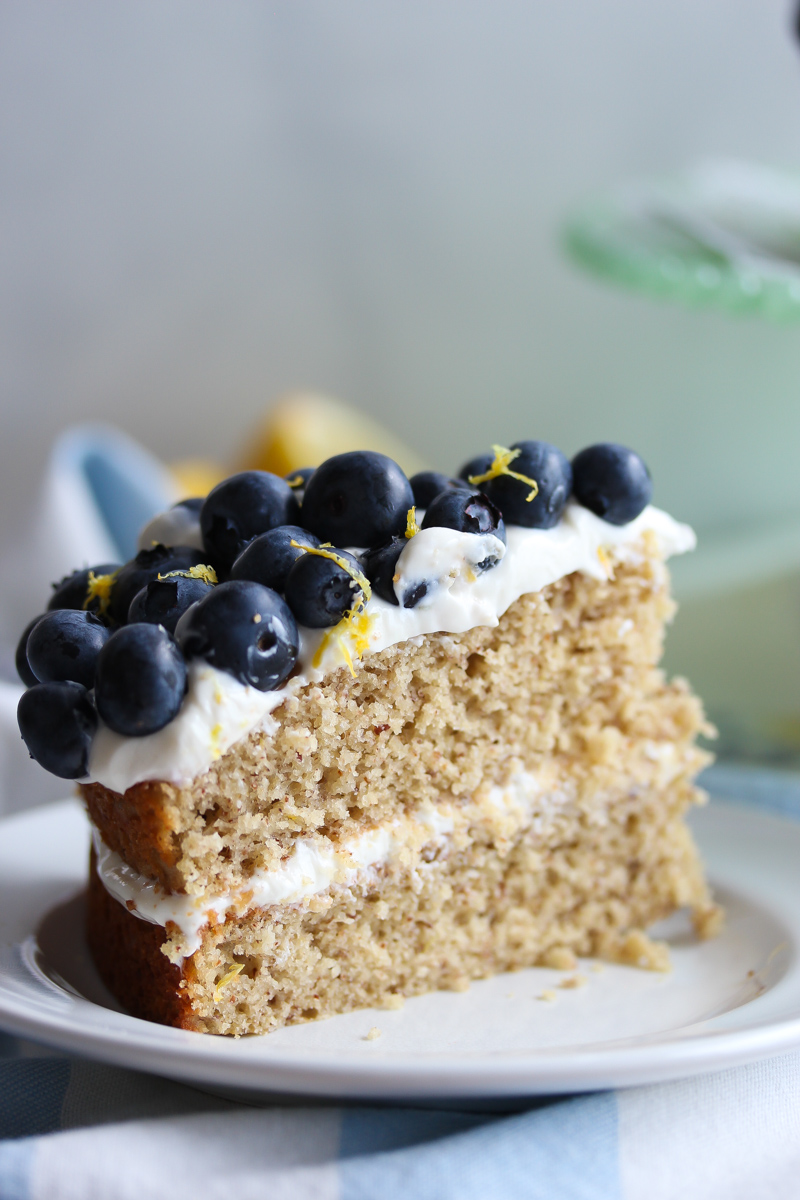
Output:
x=199 y=1059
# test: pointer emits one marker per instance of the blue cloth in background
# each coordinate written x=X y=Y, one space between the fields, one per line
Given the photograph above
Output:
x=126 y=485
x=73 y=1129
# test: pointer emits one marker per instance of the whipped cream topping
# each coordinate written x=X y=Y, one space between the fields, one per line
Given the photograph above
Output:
x=314 y=866
x=218 y=710
x=446 y=563
x=308 y=870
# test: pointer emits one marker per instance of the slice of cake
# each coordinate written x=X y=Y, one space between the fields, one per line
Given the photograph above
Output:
x=416 y=737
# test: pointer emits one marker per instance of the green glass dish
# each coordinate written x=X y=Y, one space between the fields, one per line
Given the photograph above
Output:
x=726 y=235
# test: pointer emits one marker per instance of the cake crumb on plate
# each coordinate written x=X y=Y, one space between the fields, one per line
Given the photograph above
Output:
x=560 y=958
x=393 y=1001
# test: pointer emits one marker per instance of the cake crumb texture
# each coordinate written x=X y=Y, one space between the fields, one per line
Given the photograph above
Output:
x=560 y=958
x=709 y=922
x=472 y=914
x=566 y=687
x=565 y=690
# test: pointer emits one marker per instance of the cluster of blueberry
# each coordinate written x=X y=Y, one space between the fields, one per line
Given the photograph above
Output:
x=115 y=640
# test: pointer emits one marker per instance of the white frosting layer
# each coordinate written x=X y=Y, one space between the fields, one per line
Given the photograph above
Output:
x=446 y=561
x=313 y=866
x=218 y=710
x=310 y=868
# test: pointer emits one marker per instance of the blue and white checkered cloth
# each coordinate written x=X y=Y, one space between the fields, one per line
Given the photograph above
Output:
x=75 y=1130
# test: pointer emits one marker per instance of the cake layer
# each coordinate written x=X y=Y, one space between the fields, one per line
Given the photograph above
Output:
x=549 y=804
x=457 y=594
x=564 y=687
x=465 y=913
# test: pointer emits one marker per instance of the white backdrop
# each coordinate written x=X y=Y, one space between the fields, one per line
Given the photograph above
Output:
x=203 y=204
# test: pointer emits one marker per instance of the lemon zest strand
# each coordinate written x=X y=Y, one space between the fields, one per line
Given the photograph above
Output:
x=356 y=625
x=319 y=653
x=355 y=622
x=201 y=571
x=98 y=587
x=345 y=651
x=500 y=466
x=412 y=528
x=216 y=734
x=360 y=627
x=605 y=561
x=235 y=970
x=341 y=561
x=296 y=481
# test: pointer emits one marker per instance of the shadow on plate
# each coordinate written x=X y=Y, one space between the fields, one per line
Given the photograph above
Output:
x=63 y=955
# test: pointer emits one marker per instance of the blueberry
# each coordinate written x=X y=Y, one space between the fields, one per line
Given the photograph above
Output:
x=612 y=481
x=357 y=499
x=75 y=590
x=57 y=722
x=546 y=465
x=297 y=481
x=21 y=658
x=164 y=601
x=269 y=558
x=64 y=646
x=319 y=591
x=239 y=509
x=178 y=526
x=141 y=570
x=245 y=629
x=426 y=485
x=468 y=512
x=379 y=566
x=141 y=680
x=476 y=466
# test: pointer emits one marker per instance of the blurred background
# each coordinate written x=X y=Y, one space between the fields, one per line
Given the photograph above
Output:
x=204 y=205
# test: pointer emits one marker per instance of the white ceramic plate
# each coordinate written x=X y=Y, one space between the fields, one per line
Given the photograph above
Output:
x=725 y=1002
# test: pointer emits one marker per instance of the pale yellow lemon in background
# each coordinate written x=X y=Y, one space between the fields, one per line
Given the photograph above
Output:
x=301 y=429
x=197 y=476
x=304 y=428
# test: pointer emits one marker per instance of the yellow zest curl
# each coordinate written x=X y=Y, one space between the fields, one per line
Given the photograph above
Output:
x=500 y=466
x=355 y=623
x=412 y=528
x=296 y=481
x=235 y=970
x=341 y=561
x=360 y=623
x=207 y=574
x=605 y=561
x=99 y=588
x=344 y=650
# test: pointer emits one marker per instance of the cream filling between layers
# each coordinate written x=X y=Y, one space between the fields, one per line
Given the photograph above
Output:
x=219 y=710
x=313 y=867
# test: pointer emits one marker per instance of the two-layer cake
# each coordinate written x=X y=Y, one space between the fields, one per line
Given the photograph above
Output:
x=417 y=736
